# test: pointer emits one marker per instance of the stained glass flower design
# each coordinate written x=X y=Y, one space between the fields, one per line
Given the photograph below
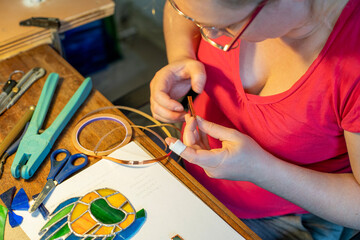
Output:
x=100 y=214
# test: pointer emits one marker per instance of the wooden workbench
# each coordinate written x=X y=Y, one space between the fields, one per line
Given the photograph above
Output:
x=15 y=38
x=44 y=56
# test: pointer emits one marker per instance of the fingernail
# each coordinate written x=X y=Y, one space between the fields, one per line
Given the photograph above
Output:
x=187 y=117
x=178 y=109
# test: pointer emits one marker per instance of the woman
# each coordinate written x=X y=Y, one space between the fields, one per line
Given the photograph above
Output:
x=278 y=84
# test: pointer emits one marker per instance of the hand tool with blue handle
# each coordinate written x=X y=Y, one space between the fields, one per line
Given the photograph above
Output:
x=60 y=170
x=34 y=147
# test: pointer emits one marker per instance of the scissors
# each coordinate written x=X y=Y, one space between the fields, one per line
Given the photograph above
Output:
x=59 y=171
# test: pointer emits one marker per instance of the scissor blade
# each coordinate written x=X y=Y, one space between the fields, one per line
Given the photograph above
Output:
x=49 y=186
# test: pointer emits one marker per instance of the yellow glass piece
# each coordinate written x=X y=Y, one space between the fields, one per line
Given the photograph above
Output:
x=104 y=192
x=117 y=229
x=83 y=224
x=78 y=210
x=129 y=220
x=117 y=200
x=128 y=208
x=104 y=230
x=89 y=197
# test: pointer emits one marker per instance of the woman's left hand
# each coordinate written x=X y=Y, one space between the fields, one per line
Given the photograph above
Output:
x=236 y=160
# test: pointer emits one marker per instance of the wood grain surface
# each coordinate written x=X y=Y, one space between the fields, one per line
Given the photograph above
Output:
x=44 y=56
x=15 y=38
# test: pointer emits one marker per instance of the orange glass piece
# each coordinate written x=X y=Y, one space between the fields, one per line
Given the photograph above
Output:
x=83 y=224
x=128 y=220
x=89 y=197
x=104 y=230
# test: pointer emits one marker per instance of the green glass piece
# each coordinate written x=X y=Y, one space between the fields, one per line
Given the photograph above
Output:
x=3 y=214
x=61 y=232
x=177 y=237
x=110 y=238
x=58 y=216
x=104 y=213
x=141 y=213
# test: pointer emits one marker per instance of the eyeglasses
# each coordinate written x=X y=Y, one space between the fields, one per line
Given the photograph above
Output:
x=219 y=37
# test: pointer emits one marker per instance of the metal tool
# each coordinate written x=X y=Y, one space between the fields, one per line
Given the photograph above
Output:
x=22 y=85
x=10 y=83
x=34 y=147
x=60 y=170
x=44 y=22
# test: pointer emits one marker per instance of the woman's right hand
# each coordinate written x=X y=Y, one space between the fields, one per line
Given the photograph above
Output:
x=170 y=84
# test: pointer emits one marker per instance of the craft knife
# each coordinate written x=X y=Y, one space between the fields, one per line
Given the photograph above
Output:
x=23 y=84
x=10 y=83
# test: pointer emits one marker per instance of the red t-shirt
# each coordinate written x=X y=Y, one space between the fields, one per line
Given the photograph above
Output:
x=303 y=125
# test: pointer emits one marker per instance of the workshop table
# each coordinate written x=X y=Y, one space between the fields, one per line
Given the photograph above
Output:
x=15 y=38
x=46 y=57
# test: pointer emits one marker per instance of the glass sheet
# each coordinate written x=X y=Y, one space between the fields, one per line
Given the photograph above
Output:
x=3 y=214
x=20 y=201
x=14 y=220
x=8 y=196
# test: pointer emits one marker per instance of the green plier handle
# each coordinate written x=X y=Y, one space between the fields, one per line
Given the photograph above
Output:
x=34 y=147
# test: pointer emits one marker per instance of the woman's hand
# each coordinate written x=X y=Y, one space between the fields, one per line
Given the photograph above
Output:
x=236 y=160
x=170 y=84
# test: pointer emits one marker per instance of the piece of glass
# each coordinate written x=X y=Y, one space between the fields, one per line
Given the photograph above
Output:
x=129 y=220
x=57 y=217
x=3 y=214
x=8 y=196
x=105 y=191
x=61 y=232
x=64 y=204
x=79 y=209
x=54 y=228
x=177 y=237
x=105 y=230
x=131 y=230
x=83 y=224
x=128 y=208
x=141 y=213
x=104 y=213
x=117 y=200
x=89 y=197
x=94 y=229
x=74 y=237
x=20 y=201
x=14 y=220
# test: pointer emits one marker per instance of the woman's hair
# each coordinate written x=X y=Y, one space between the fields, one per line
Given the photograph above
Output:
x=322 y=9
